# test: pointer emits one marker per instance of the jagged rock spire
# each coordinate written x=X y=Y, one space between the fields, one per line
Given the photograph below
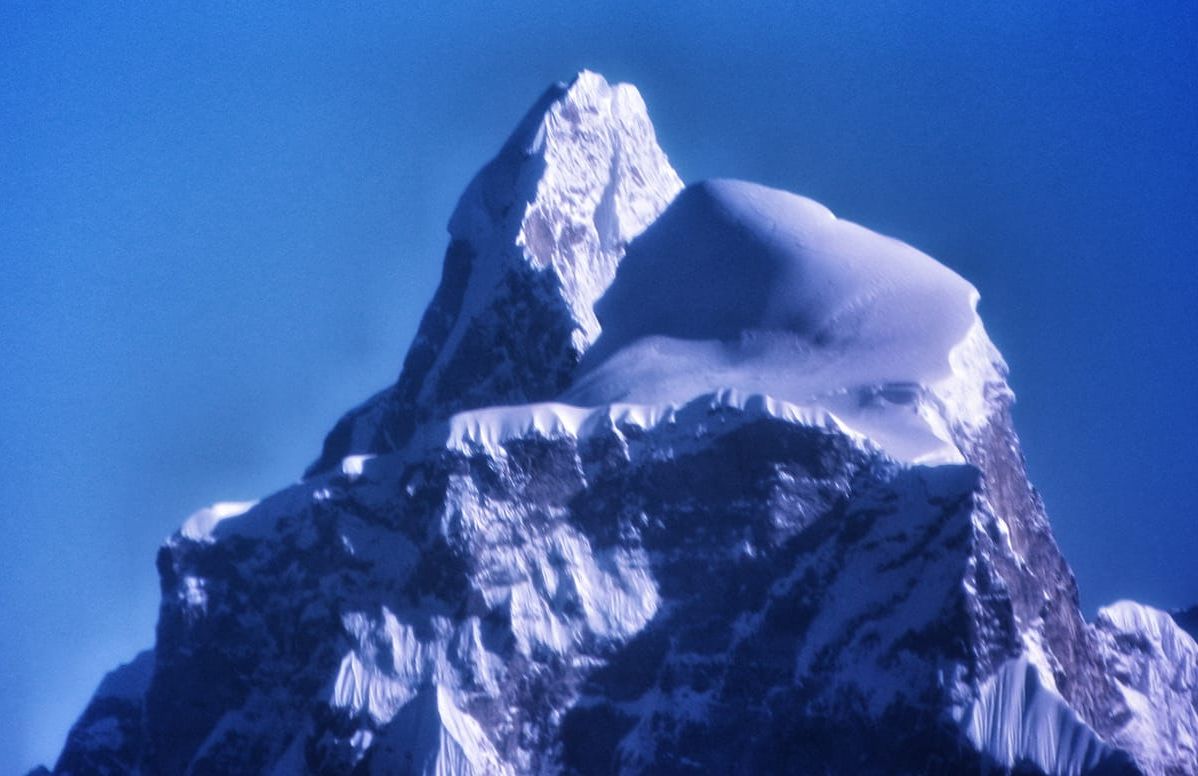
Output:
x=534 y=243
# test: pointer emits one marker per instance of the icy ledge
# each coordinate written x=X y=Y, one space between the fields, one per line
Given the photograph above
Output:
x=743 y=297
x=488 y=430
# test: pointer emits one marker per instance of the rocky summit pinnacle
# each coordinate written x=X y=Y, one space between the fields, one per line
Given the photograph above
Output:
x=534 y=243
x=673 y=480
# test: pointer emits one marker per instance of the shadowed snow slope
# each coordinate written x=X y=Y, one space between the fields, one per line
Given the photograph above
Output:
x=730 y=257
x=742 y=286
x=721 y=486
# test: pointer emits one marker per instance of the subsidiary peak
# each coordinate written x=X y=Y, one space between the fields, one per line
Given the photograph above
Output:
x=587 y=88
x=741 y=286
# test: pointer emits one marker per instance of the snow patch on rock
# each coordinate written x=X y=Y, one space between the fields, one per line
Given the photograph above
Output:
x=199 y=526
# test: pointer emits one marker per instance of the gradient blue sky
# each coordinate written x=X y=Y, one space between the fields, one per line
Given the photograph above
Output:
x=218 y=229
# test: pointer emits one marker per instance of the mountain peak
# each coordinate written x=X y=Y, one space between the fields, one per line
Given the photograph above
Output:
x=585 y=88
x=772 y=294
x=580 y=176
x=761 y=509
x=534 y=243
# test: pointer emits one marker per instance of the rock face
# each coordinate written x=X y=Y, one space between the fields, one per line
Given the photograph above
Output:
x=760 y=510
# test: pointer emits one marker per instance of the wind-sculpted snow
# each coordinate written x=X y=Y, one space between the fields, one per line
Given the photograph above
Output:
x=747 y=499
x=738 y=285
x=203 y=522
x=730 y=257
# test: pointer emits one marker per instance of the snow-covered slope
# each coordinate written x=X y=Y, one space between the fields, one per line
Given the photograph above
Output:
x=738 y=285
x=704 y=482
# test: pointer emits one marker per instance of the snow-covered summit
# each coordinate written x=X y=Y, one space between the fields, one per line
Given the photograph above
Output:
x=580 y=177
x=734 y=287
x=534 y=243
x=727 y=485
x=745 y=287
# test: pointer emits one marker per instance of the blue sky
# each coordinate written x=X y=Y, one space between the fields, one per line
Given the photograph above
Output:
x=220 y=227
